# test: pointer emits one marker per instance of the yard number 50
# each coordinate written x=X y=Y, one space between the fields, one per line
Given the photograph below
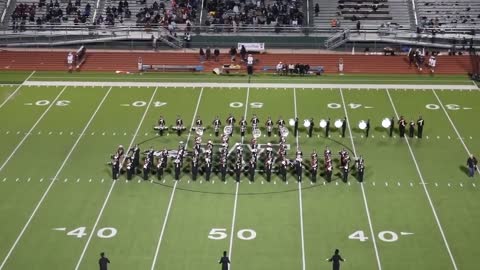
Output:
x=221 y=233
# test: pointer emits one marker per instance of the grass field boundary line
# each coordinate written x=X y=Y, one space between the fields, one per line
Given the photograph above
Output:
x=53 y=179
x=365 y=202
x=32 y=128
x=300 y=201
x=237 y=187
x=251 y=85
x=94 y=228
x=427 y=193
x=453 y=125
x=16 y=90
x=170 y=202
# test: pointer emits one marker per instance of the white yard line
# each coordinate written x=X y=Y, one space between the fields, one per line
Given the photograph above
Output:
x=165 y=220
x=453 y=125
x=16 y=90
x=52 y=182
x=32 y=128
x=232 y=229
x=279 y=85
x=94 y=228
x=300 y=203
x=426 y=190
x=372 y=233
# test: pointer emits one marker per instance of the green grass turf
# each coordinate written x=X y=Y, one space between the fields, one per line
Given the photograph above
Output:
x=397 y=201
x=18 y=77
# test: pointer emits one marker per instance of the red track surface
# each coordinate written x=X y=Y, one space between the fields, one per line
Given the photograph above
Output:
x=127 y=61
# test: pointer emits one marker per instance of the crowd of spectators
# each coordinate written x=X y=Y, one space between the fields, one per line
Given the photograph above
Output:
x=254 y=12
x=166 y=14
x=292 y=69
x=54 y=14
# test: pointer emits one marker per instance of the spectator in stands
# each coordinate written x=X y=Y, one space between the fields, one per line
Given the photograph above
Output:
x=78 y=3
x=188 y=38
x=358 y=26
x=432 y=62
x=317 y=9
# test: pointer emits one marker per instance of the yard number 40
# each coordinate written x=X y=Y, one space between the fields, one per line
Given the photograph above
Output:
x=385 y=236
x=221 y=233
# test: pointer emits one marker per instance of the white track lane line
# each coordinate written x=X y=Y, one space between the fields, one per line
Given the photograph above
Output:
x=454 y=264
x=165 y=220
x=94 y=228
x=372 y=233
x=300 y=203
x=16 y=90
x=453 y=125
x=32 y=128
x=235 y=201
x=52 y=182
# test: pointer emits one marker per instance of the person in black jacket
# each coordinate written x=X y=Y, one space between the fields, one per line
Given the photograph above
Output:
x=336 y=259
x=224 y=261
x=103 y=262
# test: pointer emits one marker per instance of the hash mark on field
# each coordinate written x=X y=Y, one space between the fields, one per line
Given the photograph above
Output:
x=71 y=133
x=28 y=180
x=114 y=133
x=50 y=133
x=78 y=180
x=8 y=132
x=66 y=179
x=18 y=132
x=438 y=137
x=138 y=180
x=436 y=184
x=470 y=137
x=373 y=183
x=4 y=179
x=124 y=134
x=411 y=184
x=39 y=133
x=461 y=185
x=448 y=137
x=41 y=179
x=90 y=180
x=93 y=133
x=449 y=185
x=336 y=183
x=61 y=133
x=398 y=183
x=348 y=183
x=103 y=134
x=474 y=185
x=386 y=184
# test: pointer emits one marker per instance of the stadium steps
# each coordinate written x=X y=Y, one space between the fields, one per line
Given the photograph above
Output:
x=127 y=61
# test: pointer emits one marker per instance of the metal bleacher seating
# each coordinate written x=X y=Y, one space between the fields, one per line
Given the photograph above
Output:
x=448 y=13
x=41 y=12
x=372 y=14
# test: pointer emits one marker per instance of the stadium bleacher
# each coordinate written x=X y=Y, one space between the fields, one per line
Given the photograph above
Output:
x=371 y=13
x=239 y=14
x=448 y=14
x=148 y=12
x=28 y=12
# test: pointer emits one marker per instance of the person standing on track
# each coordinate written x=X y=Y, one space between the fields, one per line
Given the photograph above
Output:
x=103 y=262
x=224 y=261
x=336 y=259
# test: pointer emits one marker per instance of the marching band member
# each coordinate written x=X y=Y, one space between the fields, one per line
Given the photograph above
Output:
x=269 y=125
x=254 y=121
x=283 y=168
x=298 y=153
x=208 y=168
x=197 y=145
x=314 y=168
x=70 y=61
x=243 y=126
x=344 y=164
x=194 y=167
x=280 y=124
x=252 y=166
x=298 y=167
x=115 y=167
x=120 y=152
x=344 y=126
x=269 y=151
x=223 y=167
x=225 y=138
x=328 y=169
x=199 y=122
x=146 y=168
x=310 y=128
x=130 y=168
x=420 y=124
x=134 y=152
x=295 y=127
x=411 y=130
x=179 y=125
x=178 y=166
x=254 y=148
x=401 y=126
x=367 y=128
x=216 y=125
x=150 y=154
x=238 y=169
x=360 y=165
x=327 y=128
x=268 y=167
x=160 y=167
x=392 y=124
x=231 y=122
x=161 y=126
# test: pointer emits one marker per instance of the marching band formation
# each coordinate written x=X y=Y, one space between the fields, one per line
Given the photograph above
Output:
x=232 y=159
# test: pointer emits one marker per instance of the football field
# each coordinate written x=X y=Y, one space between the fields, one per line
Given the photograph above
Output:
x=416 y=208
